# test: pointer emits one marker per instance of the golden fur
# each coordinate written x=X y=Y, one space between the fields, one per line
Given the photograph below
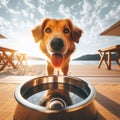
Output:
x=62 y=28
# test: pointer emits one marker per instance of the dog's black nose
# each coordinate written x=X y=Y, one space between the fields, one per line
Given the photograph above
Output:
x=57 y=44
x=56 y=104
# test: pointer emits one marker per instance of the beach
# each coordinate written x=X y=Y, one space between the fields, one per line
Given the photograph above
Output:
x=106 y=83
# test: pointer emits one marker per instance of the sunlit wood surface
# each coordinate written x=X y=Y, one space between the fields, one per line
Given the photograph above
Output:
x=106 y=83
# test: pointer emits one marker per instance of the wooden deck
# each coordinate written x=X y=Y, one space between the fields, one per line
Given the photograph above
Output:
x=106 y=83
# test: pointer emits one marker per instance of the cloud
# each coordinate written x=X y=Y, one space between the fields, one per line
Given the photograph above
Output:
x=114 y=13
x=30 y=5
x=42 y=11
x=43 y=2
x=4 y=3
x=1 y=25
x=5 y=26
x=98 y=3
x=13 y=12
x=86 y=7
x=25 y=13
x=65 y=11
x=91 y=16
x=31 y=16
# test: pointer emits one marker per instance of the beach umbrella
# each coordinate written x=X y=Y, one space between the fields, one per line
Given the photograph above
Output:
x=113 y=30
x=2 y=36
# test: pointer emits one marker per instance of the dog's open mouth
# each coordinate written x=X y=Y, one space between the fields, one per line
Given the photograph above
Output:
x=57 y=59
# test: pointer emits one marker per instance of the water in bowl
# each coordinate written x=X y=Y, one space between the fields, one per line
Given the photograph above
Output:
x=35 y=94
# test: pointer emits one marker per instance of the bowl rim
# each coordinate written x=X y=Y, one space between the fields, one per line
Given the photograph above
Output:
x=21 y=100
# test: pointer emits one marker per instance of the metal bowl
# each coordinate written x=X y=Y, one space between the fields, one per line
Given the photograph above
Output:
x=30 y=94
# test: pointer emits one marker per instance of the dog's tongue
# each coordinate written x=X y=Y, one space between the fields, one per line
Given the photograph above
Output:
x=56 y=59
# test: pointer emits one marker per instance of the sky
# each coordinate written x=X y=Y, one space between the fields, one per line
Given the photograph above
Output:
x=19 y=17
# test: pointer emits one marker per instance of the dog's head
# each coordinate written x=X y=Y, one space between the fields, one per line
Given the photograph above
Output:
x=57 y=37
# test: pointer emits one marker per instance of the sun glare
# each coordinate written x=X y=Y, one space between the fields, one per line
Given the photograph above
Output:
x=24 y=43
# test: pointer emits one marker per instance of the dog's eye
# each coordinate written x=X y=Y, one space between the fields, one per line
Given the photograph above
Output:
x=48 y=30
x=66 y=30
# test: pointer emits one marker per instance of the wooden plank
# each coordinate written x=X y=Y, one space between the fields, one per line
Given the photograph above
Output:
x=109 y=60
x=7 y=101
x=113 y=30
x=102 y=55
x=2 y=36
x=111 y=48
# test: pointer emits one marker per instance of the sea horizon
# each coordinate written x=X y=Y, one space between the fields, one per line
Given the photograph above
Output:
x=72 y=62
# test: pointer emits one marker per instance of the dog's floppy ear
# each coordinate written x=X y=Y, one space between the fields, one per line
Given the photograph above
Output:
x=76 y=34
x=37 y=32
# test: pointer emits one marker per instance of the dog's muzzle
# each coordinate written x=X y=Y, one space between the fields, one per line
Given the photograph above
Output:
x=56 y=101
x=57 y=48
x=57 y=44
x=56 y=104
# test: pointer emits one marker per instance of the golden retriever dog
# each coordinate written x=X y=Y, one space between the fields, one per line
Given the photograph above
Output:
x=57 y=41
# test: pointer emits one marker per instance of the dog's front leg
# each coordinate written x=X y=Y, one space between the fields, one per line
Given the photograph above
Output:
x=50 y=69
x=65 y=69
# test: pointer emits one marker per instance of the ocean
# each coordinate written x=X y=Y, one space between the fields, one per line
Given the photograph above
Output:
x=78 y=62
